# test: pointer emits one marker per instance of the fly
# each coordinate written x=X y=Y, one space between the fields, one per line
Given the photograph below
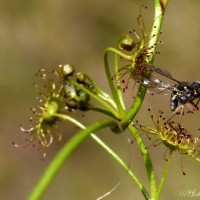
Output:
x=183 y=94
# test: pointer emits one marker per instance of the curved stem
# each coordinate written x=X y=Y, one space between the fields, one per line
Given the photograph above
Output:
x=99 y=109
x=101 y=93
x=134 y=108
x=109 y=77
x=119 y=53
x=63 y=155
x=118 y=83
x=124 y=165
x=104 y=103
x=160 y=6
x=115 y=156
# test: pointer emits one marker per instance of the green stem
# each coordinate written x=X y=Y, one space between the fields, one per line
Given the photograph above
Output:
x=109 y=77
x=101 y=93
x=160 y=6
x=119 y=53
x=118 y=83
x=134 y=108
x=164 y=175
x=123 y=164
x=63 y=155
x=113 y=154
x=104 y=111
x=104 y=103
x=146 y=158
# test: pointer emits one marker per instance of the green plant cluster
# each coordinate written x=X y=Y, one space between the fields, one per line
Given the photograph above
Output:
x=68 y=92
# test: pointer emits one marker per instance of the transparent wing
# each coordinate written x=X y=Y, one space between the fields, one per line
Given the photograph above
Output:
x=154 y=85
x=162 y=72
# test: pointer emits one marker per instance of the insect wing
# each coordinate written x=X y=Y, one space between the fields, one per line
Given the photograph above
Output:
x=162 y=72
x=154 y=85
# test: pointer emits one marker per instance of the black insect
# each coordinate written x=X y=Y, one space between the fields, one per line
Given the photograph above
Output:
x=183 y=94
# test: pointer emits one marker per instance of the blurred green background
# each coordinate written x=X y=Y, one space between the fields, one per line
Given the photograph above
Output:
x=43 y=34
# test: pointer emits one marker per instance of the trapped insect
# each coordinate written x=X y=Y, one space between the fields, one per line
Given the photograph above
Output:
x=183 y=94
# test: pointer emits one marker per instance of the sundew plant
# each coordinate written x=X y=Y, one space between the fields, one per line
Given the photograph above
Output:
x=66 y=93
